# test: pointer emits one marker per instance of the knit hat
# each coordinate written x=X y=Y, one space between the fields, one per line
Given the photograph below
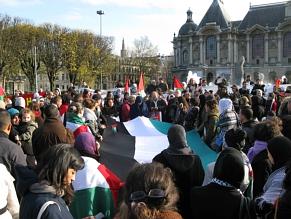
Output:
x=235 y=138
x=12 y=112
x=225 y=104
x=85 y=143
x=229 y=167
x=19 y=101
x=177 y=140
x=2 y=104
x=280 y=149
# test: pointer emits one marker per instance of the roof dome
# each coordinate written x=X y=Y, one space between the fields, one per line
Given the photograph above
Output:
x=189 y=26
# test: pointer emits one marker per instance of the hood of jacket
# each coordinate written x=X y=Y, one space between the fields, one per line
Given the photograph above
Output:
x=89 y=114
x=25 y=178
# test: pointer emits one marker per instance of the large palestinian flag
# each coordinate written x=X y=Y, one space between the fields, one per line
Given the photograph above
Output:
x=139 y=141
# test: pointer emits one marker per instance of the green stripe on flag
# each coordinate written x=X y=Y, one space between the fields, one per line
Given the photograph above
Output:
x=90 y=202
x=194 y=141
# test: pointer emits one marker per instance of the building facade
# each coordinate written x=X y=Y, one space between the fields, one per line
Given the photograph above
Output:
x=261 y=43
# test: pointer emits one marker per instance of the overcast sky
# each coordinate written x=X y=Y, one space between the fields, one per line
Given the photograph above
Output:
x=128 y=19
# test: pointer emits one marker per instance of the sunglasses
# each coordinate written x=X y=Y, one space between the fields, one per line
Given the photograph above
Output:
x=139 y=196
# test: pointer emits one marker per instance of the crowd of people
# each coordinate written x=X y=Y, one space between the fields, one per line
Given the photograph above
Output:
x=48 y=151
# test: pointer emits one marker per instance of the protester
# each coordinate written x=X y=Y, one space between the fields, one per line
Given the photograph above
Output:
x=212 y=112
x=248 y=124
x=9 y=204
x=258 y=156
x=52 y=132
x=49 y=193
x=279 y=153
x=10 y=153
x=228 y=119
x=244 y=90
x=110 y=109
x=25 y=131
x=156 y=106
x=222 y=198
x=75 y=120
x=15 y=120
x=149 y=193
x=185 y=165
x=126 y=108
x=94 y=183
x=162 y=85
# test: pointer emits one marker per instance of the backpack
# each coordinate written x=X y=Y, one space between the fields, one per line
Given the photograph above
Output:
x=44 y=207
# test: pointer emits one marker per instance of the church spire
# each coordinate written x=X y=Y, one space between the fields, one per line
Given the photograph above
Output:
x=189 y=16
x=123 y=51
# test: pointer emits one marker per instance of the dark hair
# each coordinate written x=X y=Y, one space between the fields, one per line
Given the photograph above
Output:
x=89 y=103
x=66 y=99
x=54 y=165
x=235 y=138
x=51 y=111
x=144 y=178
x=229 y=167
x=5 y=119
x=247 y=112
x=266 y=130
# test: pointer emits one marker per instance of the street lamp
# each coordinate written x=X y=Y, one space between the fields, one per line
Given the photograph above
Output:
x=100 y=13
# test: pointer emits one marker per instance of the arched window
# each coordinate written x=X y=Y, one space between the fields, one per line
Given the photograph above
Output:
x=211 y=47
x=258 y=46
x=185 y=57
x=287 y=45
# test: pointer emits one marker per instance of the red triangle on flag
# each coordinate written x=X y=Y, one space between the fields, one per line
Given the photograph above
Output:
x=140 y=86
x=177 y=84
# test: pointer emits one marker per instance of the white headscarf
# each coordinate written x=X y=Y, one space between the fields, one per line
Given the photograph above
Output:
x=225 y=104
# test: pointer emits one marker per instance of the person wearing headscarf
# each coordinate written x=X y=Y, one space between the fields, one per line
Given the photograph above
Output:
x=258 y=155
x=222 y=197
x=96 y=187
x=228 y=119
x=185 y=165
x=279 y=153
x=235 y=138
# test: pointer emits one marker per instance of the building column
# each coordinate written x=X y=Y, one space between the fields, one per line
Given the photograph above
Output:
x=280 y=47
x=175 y=55
x=229 y=58
x=266 y=48
x=248 y=48
x=191 y=51
x=235 y=50
x=201 y=49
x=218 y=49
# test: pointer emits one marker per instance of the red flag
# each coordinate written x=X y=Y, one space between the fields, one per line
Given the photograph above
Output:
x=126 y=87
x=140 y=86
x=277 y=83
x=177 y=84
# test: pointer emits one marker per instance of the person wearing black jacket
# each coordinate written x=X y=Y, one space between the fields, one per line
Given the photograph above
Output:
x=185 y=165
x=222 y=198
x=11 y=154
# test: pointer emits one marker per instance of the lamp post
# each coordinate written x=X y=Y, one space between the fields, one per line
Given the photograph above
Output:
x=100 y=13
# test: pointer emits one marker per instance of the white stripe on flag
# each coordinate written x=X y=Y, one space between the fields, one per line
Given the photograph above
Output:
x=141 y=126
x=146 y=148
x=89 y=176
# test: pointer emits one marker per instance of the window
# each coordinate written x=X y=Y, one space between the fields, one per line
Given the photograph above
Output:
x=211 y=47
x=258 y=46
x=258 y=61
x=211 y=62
x=63 y=77
x=185 y=57
x=287 y=45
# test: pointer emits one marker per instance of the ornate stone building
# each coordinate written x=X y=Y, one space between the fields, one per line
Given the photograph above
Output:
x=217 y=45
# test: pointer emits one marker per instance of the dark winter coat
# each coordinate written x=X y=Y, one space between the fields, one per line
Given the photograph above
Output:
x=36 y=194
x=284 y=206
x=52 y=132
x=248 y=127
x=215 y=201
x=262 y=169
x=11 y=154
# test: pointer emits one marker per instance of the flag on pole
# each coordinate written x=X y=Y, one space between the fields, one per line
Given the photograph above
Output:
x=140 y=86
x=177 y=84
x=126 y=87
